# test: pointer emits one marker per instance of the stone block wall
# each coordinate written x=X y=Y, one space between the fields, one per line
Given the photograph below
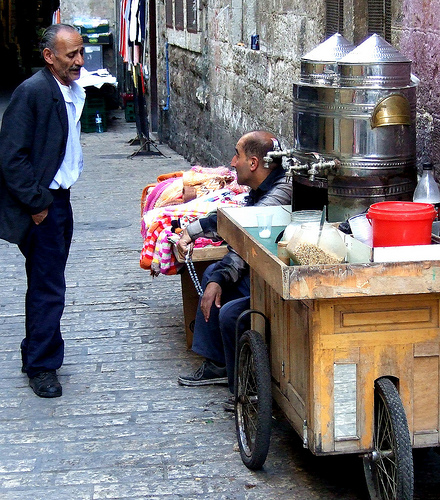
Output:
x=226 y=89
x=419 y=39
x=90 y=9
x=223 y=88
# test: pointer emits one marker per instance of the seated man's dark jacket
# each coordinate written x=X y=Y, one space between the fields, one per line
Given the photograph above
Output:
x=274 y=190
x=33 y=140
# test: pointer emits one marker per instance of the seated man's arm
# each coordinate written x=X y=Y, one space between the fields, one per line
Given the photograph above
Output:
x=227 y=271
x=230 y=269
x=205 y=226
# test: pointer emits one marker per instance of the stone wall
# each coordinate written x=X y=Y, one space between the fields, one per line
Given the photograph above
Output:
x=225 y=89
x=419 y=40
x=221 y=88
x=104 y=9
x=89 y=9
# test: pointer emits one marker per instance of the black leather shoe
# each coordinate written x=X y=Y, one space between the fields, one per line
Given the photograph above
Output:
x=46 y=385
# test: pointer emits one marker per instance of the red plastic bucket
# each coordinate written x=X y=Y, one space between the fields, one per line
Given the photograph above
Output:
x=398 y=223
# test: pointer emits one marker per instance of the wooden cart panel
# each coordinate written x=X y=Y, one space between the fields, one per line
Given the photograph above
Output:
x=333 y=334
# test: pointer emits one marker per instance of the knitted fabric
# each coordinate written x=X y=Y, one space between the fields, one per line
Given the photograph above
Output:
x=171 y=195
x=157 y=253
x=162 y=205
x=204 y=242
x=206 y=180
x=150 y=188
x=155 y=194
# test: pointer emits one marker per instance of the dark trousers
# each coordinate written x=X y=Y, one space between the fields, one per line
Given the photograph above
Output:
x=46 y=249
x=215 y=339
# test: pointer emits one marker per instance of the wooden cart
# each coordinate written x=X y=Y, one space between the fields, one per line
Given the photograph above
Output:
x=353 y=354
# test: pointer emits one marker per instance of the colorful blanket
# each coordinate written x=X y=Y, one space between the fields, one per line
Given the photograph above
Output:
x=160 y=225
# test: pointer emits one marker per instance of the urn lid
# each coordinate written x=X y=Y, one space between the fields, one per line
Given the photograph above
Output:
x=374 y=63
x=374 y=50
x=319 y=65
x=331 y=50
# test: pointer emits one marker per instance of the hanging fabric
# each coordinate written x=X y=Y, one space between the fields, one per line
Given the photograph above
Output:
x=56 y=18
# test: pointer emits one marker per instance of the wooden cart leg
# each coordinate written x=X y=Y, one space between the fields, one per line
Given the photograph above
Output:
x=190 y=298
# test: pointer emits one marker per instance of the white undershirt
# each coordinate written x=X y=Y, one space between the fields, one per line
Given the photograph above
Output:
x=72 y=165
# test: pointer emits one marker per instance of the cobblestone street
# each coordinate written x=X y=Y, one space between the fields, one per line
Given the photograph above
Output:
x=124 y=428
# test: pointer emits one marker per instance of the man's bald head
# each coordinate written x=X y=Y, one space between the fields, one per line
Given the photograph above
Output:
x=248 y=160
x=258 y=143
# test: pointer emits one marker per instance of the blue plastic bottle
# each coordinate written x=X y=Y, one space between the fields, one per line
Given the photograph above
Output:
x=98 y=121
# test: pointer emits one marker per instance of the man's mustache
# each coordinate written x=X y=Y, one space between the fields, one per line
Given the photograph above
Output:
x=75 y=68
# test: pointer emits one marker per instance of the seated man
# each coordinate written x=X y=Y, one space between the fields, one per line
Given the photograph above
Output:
x=226 y=283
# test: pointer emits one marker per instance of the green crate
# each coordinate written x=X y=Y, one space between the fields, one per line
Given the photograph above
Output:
x=92 y=106
x=91 y=30
x=94 y=103
x=130 y=114
x=90 y=126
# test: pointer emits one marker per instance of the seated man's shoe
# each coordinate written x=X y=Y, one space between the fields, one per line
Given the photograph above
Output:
x=207 y=374
x=46 y=385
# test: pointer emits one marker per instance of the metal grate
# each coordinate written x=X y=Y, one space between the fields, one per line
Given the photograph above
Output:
x=379 y=18
x=334 y=17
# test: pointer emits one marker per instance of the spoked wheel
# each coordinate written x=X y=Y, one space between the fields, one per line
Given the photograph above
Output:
x=253 y=400
x=389 y=467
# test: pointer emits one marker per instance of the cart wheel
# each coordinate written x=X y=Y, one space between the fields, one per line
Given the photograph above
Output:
x=389 y=467
x=253 y=400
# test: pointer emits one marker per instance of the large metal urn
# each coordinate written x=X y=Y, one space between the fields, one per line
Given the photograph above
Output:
x=357 y=105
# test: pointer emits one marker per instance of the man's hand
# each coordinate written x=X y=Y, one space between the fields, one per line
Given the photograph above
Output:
x=39 y=218
x=211 y=295
x=184 y=245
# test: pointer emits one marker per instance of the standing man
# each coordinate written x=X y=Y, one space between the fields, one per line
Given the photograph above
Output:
x=226 y=283
x=40 y=159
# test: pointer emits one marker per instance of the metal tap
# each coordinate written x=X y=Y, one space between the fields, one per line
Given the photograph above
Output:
x=321 y=166
x=279 y=153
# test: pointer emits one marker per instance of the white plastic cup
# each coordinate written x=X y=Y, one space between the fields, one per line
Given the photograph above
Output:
x=264 y=225
x=362 y=229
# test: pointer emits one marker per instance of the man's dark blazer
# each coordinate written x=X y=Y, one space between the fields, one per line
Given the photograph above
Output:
x=33 y=141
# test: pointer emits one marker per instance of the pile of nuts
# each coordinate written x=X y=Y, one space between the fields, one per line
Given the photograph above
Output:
x=307 y=254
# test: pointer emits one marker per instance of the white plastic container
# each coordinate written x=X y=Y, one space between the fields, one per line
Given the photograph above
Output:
x=309 y=247
x=427 y=190
x=298 y=218
x=362 y=229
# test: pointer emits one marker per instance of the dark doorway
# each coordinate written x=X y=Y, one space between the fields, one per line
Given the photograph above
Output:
x=21 y=24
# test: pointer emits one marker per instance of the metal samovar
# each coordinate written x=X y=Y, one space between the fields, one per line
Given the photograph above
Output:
x=357 y=107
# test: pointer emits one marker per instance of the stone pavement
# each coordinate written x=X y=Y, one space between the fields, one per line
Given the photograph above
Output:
x=124 y=428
